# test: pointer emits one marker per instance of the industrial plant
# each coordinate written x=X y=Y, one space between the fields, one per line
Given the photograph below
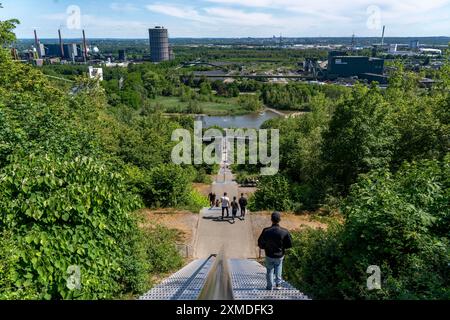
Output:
x=360 y=60
x=160 y=49
x=81 y=52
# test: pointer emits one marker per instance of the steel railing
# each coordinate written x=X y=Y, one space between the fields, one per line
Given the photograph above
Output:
x=218 y=284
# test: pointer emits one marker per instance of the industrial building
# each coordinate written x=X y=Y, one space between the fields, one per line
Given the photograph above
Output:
x=122 y=55
x=340 y=65
x=159 y=44
x=69 y=51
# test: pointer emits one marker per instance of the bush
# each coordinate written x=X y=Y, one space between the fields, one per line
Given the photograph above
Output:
x=194 y=107
x=310 y=264
x=273 y=194
x=57 y=213
x=167 y=185
x=398 y=222
x=197 y=201
x=162 y=253
x=202 y=176
x=250 y=102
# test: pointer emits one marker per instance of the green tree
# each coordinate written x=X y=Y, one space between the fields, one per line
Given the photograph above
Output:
x=205 y=88
x=7 y=35
x=167 y=185
x=153 y=83
x=398 y=222
x=360 y=138
x=273 y=194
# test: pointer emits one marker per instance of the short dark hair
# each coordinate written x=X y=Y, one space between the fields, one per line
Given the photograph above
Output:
x=276 y=217
x=225 y=194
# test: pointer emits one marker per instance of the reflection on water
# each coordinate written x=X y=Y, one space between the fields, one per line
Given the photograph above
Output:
x=252 y=120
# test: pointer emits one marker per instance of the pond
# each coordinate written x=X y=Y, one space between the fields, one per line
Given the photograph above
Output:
x=252 y=120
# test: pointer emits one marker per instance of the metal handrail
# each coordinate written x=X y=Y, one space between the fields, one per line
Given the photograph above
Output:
x=218 y=285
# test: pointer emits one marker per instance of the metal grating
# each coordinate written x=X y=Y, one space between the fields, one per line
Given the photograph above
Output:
x=249 y=283
x=186 y=284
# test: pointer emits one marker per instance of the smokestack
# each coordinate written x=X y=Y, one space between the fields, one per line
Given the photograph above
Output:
x=382 y=36
x=85 y=46
x=37 y=44
x=61 y=44
x=14 y=54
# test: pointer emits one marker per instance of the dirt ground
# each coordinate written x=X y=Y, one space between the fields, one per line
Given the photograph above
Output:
x=247 y=191
x=184 y=222
x=203 y=188
x=292 y=222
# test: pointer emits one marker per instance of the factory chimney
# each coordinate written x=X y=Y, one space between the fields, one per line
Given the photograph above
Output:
x=382 y=36
x=37 y=44
x=61 y=44
x=85 y=46
x=14 y=54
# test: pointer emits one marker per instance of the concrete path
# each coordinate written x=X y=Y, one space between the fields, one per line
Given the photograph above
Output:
x=214 y=233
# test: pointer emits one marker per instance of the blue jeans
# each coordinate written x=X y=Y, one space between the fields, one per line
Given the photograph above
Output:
x=274 y=265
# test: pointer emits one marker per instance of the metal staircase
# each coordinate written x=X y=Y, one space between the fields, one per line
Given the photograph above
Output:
x=218 y=278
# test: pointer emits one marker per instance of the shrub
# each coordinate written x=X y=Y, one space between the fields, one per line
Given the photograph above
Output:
x=310 y=265
x=167 y=185
x=273 y=194
x=161 y=251
x=197 y=201
x=57 y=213
x=398 y=222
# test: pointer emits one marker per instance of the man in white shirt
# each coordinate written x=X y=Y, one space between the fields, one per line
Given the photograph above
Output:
x=225 y=205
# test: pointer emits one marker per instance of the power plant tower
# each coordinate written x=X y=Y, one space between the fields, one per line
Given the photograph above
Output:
x=85 y=52
x=37 y=44
x=159 y=44
x=61 y=44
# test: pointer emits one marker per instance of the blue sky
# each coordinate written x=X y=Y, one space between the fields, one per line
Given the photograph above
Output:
x=230 y=18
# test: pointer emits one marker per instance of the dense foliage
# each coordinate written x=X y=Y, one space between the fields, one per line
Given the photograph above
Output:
x=73 y=171
x=62 y=213
x=399 y=222
x=382 y=157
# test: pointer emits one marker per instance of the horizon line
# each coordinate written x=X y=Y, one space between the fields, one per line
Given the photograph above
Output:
x=249 y=37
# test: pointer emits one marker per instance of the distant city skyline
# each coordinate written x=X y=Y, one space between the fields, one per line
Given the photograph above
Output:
x=230 y=18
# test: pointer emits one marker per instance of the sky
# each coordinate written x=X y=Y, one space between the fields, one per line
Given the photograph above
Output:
x=230 y=18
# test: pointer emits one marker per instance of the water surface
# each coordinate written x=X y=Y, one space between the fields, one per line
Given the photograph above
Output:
x=252 y=120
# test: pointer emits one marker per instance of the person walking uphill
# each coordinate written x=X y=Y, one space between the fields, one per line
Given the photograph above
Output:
x=225 y=205
x=274 y=241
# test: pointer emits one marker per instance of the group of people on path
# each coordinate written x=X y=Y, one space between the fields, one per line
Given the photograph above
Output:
x=226 y=204
x=274 y=240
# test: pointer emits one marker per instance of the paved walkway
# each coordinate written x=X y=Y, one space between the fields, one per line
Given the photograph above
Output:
x=213 y=233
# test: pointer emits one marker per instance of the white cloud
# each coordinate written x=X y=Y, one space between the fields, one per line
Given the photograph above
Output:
x=123 y=7
x=349 y=15
x=240 y=17
x=215 y=15
x=177 y=12
x=343 y=9
x=247 y=3
x=99 y=22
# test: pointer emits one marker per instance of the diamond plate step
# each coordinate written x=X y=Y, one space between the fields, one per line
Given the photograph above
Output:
x=186 y=284
x=249 y=283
